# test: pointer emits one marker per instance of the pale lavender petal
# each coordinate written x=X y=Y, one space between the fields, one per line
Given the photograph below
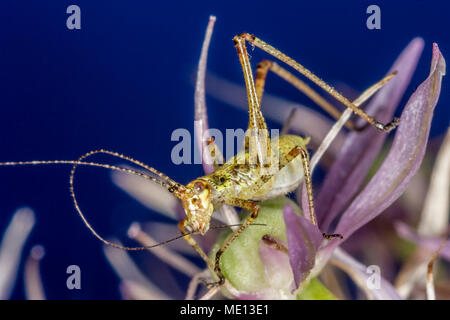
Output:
x=34 y=289
x=241 y=295
x=431 y=293
x=277 y=270
x=228 y=215
x=127 y=270
x=161 y=231
x=196 y=282
x=201 y=115
x=132 y=290
x=171 y=258
x=150 y=194
x=210 y=294
x=360 y=148
x=303 y=241
x=413 y=273
x=431 y=243
x=405 y=156
x=435 y=212
x=11 y=247
x=359 y=273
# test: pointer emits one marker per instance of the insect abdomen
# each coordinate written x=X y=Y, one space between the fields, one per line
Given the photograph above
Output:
x=289 y=177
x=238 y=180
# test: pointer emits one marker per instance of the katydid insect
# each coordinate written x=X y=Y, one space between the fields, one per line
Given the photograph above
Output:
x=240 y=182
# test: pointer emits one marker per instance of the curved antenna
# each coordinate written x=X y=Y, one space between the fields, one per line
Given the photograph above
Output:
x=166 y=182
x=114 y=245
x=170 y=184
x=166 y=179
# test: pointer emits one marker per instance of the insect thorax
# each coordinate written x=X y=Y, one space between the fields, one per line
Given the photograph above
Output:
x=238 y=179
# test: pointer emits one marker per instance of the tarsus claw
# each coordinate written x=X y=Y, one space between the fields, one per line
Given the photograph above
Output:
x=389 y=126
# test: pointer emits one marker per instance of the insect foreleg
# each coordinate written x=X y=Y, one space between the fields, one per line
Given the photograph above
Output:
x=254 y=210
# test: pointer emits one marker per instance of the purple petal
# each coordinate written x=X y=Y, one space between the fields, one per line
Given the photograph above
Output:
x=359 y=273
x=303 y=241
x=360 y=148
x=276 y=266
x=201 y=115
x=430 y=243
x=405 y=155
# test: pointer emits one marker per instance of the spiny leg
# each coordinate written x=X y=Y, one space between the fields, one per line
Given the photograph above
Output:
x=254 y=210
x=301 y=151
x=266 y=65
x=301 y=69
x=257 y=125
x=261 y=73
x=253 y=207
x=291 y=155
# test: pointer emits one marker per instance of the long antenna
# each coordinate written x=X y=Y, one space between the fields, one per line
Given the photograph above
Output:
x=161 y=179
x=165 y=181
x=92 y=164
x=170 y=184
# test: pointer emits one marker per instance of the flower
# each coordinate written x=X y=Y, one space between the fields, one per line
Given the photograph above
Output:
x=284 y=258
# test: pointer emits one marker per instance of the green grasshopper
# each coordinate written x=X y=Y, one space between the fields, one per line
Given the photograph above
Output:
x=264 y=169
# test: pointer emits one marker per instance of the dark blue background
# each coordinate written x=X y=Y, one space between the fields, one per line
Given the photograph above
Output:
x=124 y=82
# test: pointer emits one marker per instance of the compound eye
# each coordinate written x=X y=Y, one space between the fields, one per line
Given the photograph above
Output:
x=199 y=187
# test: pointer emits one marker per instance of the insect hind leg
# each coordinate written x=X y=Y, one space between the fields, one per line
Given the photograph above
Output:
x=256 y=143
x=242 y=38
x=303 y=153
